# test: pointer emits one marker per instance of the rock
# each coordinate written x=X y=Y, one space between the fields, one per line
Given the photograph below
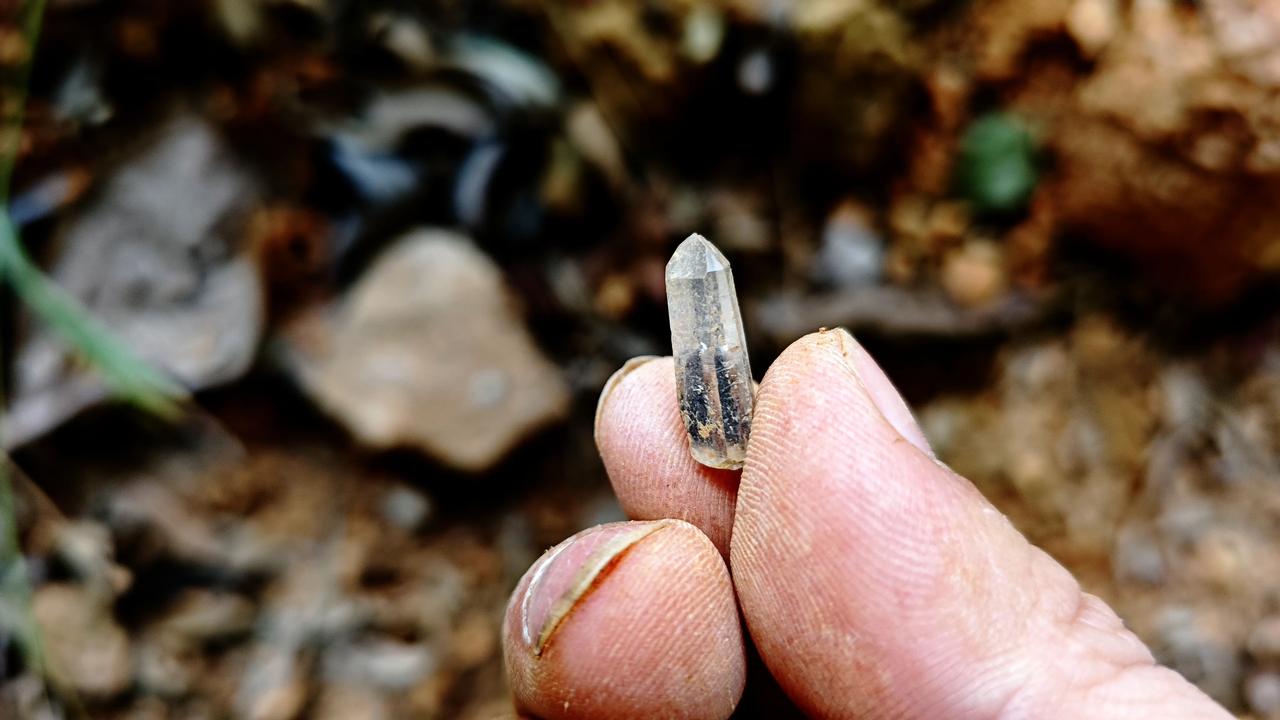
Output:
x=475 y=639
x=891 y=310
x=973 y=275
x=308 y=605
x=1198 y=645
x=385 y=664
x=154 y=257
x=591 y=136
x=404 y=37
x=343 y=701
x=166 y=524
x=207 y=615
x=85 y=546
x=166 y=665
x=1264 y=640
x=852 y=252
x=86 y=647
x=273 y=687
x=1092 y=24
x=1246 y=34
x=704 y=31
x=1137 y=556
x=427 y=351
x=1262 y=692
x=616 y=296
x=406 y=508
x=740 y=220
x=27 y=697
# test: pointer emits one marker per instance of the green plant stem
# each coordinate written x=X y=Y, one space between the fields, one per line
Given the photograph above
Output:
x=129 y=377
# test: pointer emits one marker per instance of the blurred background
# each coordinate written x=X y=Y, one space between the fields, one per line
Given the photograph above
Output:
x=308 y=304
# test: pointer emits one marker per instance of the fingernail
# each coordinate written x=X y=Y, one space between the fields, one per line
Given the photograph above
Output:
x=564 y=575
x=881 y=391
x=627 y=368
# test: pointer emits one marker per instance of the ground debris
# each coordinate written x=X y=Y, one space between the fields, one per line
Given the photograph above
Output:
x=1183 y=555
x=87 y=648
x=155 y=256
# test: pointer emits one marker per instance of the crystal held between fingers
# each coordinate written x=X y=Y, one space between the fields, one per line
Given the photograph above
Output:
x=714 y=387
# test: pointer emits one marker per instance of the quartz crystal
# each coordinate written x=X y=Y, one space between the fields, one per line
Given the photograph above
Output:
x=713 y=375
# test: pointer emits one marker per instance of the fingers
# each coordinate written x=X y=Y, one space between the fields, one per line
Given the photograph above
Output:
x=626 y=620
x=878 y=584
x=646 y=452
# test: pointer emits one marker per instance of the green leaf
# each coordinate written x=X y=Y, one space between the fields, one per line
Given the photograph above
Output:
x=997 y=165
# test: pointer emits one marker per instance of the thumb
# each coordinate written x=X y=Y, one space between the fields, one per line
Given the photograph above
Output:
x=878 y=584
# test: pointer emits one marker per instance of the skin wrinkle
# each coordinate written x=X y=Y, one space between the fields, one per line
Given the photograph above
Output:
x=1101 y=653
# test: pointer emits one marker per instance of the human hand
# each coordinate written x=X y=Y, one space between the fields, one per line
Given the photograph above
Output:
x=875 y=582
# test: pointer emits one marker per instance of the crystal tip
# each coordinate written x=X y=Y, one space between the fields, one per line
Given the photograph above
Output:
x=696 y=257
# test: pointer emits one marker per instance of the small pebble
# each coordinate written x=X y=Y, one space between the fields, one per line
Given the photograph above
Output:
x=1262 y=691
x=974 y=274
x=406 y=508
x=86 y=645
x=1138 y=556
x=852 y=252
x=1264 y=640
x=755 y=72
x=348 y=702
x=383 y=663
x=704 y=28
x=273 y=687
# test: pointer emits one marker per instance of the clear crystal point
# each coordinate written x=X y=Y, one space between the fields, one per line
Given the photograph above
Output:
x=713 y=375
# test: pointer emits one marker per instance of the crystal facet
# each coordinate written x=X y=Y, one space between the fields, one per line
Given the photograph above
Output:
x=713 y=375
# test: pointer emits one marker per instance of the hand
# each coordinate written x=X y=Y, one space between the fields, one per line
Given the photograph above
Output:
x=875 y=582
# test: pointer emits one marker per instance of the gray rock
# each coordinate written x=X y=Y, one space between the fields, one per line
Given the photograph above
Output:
x=206 y=615
x=406 y=508
x=1138 y=557
x=852 y=252
x=379 y=663
x=86 y=547
x=1264 y=640
x=273 y=686
x=1262 y=691
x=154 y=257
x=1200 y=648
